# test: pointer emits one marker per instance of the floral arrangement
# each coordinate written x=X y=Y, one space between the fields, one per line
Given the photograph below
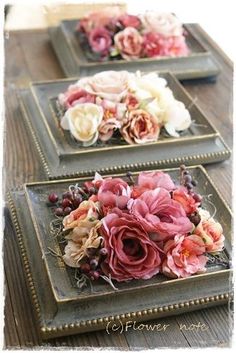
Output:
x=113 y=34
x=134 y=229
x=129 y=107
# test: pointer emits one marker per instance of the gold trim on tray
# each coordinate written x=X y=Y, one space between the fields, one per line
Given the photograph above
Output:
x=101 y=322
x=193 y=159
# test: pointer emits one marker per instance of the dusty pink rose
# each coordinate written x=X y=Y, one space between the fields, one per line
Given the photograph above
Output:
x=129 y=21
x=75 y=95
x=100 y=40
x=114 y=192
x=152 y=180
x=182 y=196
x=129 y=43
x=100 y=18
x=140 y=127
x=107 y=128
x=212 y=234
x=184 y=256
x=161 y=216
x=131 y=254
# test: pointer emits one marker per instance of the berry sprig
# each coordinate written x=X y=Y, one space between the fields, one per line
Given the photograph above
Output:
x=70 y=199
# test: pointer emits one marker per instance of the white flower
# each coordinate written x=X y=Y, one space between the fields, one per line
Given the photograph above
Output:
x=177 y=118
x=204 y=214
x=83 y=121
x=162 y=23
x=110 y=85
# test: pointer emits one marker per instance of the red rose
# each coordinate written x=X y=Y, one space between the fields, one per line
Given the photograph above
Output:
x=100 y=40
x=129 y=21
x=131 y=254
x=114 y=193
x=187 y=201
x=151 y=45
x=129 y=43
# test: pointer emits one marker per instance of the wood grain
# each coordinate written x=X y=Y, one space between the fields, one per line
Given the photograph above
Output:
x=29 y=56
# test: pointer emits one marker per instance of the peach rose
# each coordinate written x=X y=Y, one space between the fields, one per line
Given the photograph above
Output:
x=76 y=251
x=184 y=256
x=186 y=200
x=129 y=43
x=82 y=121
x=163 y=23
x=212 y=234
x=110 y=85
x=140 y=127
x=86 y=213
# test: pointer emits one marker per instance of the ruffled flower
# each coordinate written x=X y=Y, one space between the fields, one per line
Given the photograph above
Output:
x=131 y=254
x=100 y=40
x=75 y=95
x=129 y=43
x=163 y=23
x=114 y=192
x=184 y=256
x=211 y=233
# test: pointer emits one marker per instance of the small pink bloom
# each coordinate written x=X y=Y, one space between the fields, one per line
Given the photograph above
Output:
x=100 y=40
x=212 y=234
x=140 y=127
x=161 y=216
x=131 y=101
x=114 y=193
x=129 y=21
x=186 y=200
x=131 y=254
x=184 y=256
x=129 y=43
x=107 y=127
x=151 y=46
x=75 y=95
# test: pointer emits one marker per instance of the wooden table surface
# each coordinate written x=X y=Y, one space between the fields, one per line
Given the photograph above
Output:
x=30 y=57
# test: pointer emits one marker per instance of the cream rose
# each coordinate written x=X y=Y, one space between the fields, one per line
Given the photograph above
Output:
x=83 y=121
x=110 y=85
x=162 y=23
x=177 y=118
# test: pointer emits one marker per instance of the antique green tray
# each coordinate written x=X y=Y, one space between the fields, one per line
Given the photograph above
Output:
x=61 y=156
x=199 y=64
x=61 y=309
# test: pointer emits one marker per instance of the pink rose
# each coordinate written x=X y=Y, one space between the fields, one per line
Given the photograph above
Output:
x=160 y=215
x=152 y=180
x=184 y=256
x=182 y=196
x=100 y=40
x=155 y=45
x=109 y=85
x=129 y=21
x=114 y=193
x=129 y=43
x=140 y=127
x=75 y=95
x=131 y=101
x=164 y=23
x=212 y=234
x=131 y=254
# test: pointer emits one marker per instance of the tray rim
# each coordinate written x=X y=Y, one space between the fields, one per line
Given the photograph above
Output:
x=128 y=290
x=96 y=324
x=204 y=157
x=117 y=147
x=69 y=70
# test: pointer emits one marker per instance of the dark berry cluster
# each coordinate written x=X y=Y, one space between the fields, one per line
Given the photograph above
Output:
x=91 y=266
x=70 y=199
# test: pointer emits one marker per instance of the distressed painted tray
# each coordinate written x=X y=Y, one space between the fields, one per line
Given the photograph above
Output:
x=59 y=306
x=199 y=64
x=61 y=156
